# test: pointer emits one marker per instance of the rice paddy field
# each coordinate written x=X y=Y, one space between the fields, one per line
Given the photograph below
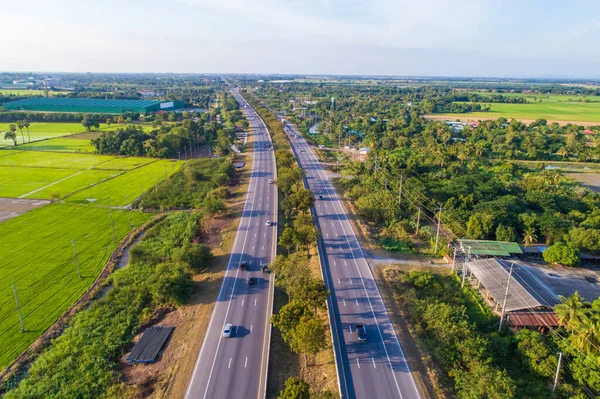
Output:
x=61 y=144
x=563 y=108
x=36 y=250
x=80 y=178
x=36 y=253
x=47 y=130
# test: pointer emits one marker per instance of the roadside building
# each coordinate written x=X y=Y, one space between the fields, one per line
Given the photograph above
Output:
x=91 y=105
x=486 y=248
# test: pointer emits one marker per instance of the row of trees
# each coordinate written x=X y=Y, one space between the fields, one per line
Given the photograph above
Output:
x=85 y=360
x=11 y=134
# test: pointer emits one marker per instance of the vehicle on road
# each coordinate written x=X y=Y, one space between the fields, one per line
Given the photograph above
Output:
x=270 y=181
x=269 y=223
x=320 y=197
x=361 y=333
x=302 y=150
x=251 y=280
x=265 y=269
x=227 y=330
x=244 y=265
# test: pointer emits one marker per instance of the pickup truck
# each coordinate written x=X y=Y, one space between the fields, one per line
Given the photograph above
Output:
x=361 y=333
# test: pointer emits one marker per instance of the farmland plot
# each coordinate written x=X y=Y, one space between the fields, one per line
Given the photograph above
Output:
x=36 y=253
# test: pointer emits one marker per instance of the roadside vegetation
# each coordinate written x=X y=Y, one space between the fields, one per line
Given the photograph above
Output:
x=461 y=335
x=84 y=360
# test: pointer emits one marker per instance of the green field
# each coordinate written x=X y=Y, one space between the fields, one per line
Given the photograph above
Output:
x=107 y=179
x=28 y=93
x=61 y=144
x=42 y=130
x=124 y=188
x=551 y=108
x=36 y=254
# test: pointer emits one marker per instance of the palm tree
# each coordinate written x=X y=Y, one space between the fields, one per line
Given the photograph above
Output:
x=529 y=236
x=26 y=123
x=588 y=334
x=572 y=312
x=20 y=125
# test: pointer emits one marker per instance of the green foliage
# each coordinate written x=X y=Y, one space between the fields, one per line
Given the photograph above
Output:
x=463 y=339
x=535 y=353
x=308 y=336
x=199 y=184
x=198 y=257
x=562 y=254
x=84 y=361
x=394 y=245
x=295 y=388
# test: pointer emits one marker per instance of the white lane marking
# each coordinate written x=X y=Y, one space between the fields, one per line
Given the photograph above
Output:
x=374 y=366
x=263 y=248
x=236 y=329
x=326 y=235
x=251 y=326
x=257 y=223
x=339 y=282
x=246 y=362
x=335 y=264
x=229 y=366
x=357 y=302
x=254 y=235
x=254 y=301
x=332 y=224
x=345 y=263
x=350 y=328
x=253 y=248
x=264 y=234
x=344 y=302
x=357 y=362
x=242 y=302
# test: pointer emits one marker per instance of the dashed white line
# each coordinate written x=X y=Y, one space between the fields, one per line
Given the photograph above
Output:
x=345 y=263
x=344 y=302
x=357 y=302
x=335 y=264
x=374 y=366
x=263 y=248
x=246 y=362
x=339 y=282
x=357 y=363
x=251 y=326
x=242 y=302
x=229 y=366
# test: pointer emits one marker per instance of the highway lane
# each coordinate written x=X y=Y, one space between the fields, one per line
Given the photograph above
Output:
x=376 y=368
x=236 y=367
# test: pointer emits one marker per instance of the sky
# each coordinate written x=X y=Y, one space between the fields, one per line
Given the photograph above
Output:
x=491 y=38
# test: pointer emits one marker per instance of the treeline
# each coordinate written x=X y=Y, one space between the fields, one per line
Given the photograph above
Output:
x=486 y=98
x=200 y=184
x=84 y=362
x=460 y=333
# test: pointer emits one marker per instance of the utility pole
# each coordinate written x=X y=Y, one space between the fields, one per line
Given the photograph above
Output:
x=454 y=259
x=76 y=257
x=437 y=235
x=112 y=223
x=18 y=307
x=418 y=219
x=557 y=372
x=464 y=271
x=506 y=296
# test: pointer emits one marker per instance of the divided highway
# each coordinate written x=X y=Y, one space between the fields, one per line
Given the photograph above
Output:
x=236 y=367
x=376 y=368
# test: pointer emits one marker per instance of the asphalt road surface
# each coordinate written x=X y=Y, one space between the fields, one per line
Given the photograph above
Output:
x=376 y=368
x=236 y=367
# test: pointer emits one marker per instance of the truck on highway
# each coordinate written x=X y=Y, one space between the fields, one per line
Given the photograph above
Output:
x=361 y=333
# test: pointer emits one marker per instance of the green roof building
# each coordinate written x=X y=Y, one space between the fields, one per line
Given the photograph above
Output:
x=100 y=106
x=491 y=248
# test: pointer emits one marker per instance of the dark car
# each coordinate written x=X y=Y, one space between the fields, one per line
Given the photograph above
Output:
x=320 y=197
x=252 y=280
x=244 y=265
x=361 y=333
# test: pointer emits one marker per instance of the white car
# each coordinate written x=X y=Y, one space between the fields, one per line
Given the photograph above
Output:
x=269 y=223
x=227 y=330
x=270 y=181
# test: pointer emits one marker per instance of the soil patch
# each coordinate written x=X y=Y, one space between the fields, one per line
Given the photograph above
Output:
x=12 y=207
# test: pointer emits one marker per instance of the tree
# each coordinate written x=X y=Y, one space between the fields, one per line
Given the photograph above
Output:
x=295 y=388
x=562 y=254
x=10 y=135
x=571 y=312
x=308 y=336
x=529 y=236
x=480 y=226
x=314 y=293
x=89 y=123
x=289 y=317
x=287 y=238
x=21 y=125
x=197 y=256
x=505 y=233
x=13 y=128
x=26 y=123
